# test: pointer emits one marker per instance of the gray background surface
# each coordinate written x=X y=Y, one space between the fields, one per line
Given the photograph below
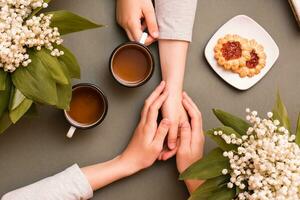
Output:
x=37 y=147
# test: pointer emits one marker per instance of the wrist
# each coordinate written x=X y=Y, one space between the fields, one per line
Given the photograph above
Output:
x=174 y=88
x=129 y=167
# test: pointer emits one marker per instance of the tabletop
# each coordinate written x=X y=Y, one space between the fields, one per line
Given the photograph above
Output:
x=37 y=147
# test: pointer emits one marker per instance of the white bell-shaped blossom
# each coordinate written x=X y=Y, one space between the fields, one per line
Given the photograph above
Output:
x=17 y=32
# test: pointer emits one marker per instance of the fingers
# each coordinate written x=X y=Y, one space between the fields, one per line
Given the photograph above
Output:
x=149 y=40
x=167 y=154
x=185 y=135
x=193 y=111
x=144 y=26
x=188 y=98
x=153 y=96
x=161 y=133
x=150 y=19
x=183 y=143
x=154 y=108
x=172 y=137
x=129 y=35
x=135 y=29
x=195 y=115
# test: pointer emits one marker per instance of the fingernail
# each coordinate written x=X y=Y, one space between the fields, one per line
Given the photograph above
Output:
x=155 y=34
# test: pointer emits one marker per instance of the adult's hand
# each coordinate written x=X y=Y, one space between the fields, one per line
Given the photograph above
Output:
x=191 y=143
x=142 y=151
x=148 y=138
x=134 y=16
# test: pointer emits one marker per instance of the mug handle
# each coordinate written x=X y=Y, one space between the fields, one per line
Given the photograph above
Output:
x=143 y=38
x=71 y=132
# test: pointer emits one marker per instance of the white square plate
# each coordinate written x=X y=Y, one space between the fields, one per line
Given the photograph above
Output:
x=246 y=27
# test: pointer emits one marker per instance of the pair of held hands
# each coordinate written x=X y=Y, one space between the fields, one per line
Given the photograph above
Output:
x=147 y=143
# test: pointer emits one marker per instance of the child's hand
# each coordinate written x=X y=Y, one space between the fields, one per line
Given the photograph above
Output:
x=147 y=141
x=134 y=16
x=191 y=141
x=175 y=112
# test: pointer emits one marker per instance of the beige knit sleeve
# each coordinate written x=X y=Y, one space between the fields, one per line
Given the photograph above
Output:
x=175 y=18
x=71 y=184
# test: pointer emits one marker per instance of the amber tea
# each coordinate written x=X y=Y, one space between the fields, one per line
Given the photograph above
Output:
x=131 y=64
x=86 y=106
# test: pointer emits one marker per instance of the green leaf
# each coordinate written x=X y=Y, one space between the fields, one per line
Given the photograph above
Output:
x=53 y=66
x=35 y=82
x=68 y=22
x=32 y=111
x=35 y=11
x=236 y=123
x=4 y=96
x=70 y=61
x=208 y=167
x=64 y=94
x=3 y=76
x=16 y=98
x=298 y=131
x=280 y=113
x=223 y=193
x=200 y=197
x=5 y=122
x=219 y=140
x=18 y=112
x=209 y=187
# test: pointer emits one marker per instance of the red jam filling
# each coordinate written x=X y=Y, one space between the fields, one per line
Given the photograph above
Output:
x=231 y=50
x=253 y=62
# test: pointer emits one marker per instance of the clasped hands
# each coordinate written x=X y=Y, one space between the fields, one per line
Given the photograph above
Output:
x=147 y=143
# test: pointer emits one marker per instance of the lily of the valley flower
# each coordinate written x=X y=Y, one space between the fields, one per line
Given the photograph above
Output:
x=266 y=164
x=17 y=33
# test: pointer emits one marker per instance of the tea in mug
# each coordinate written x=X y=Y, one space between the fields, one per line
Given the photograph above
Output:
x=131 y=64
x=87 y=106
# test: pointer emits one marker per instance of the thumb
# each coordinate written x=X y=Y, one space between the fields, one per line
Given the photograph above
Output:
x=185 y=135
x=151 y=22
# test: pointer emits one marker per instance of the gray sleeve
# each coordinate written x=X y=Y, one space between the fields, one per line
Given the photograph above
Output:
x=70 y=184
x=175 y=18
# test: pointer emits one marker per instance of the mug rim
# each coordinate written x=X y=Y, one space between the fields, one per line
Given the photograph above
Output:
x=101 y=119
x=150 y=74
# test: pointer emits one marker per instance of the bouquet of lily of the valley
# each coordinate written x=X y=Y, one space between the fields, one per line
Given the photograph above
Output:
x=257 y=159
x=34 y=65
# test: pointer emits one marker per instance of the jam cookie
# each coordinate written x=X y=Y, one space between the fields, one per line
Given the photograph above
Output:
x=256 y=62
x=231 y=52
